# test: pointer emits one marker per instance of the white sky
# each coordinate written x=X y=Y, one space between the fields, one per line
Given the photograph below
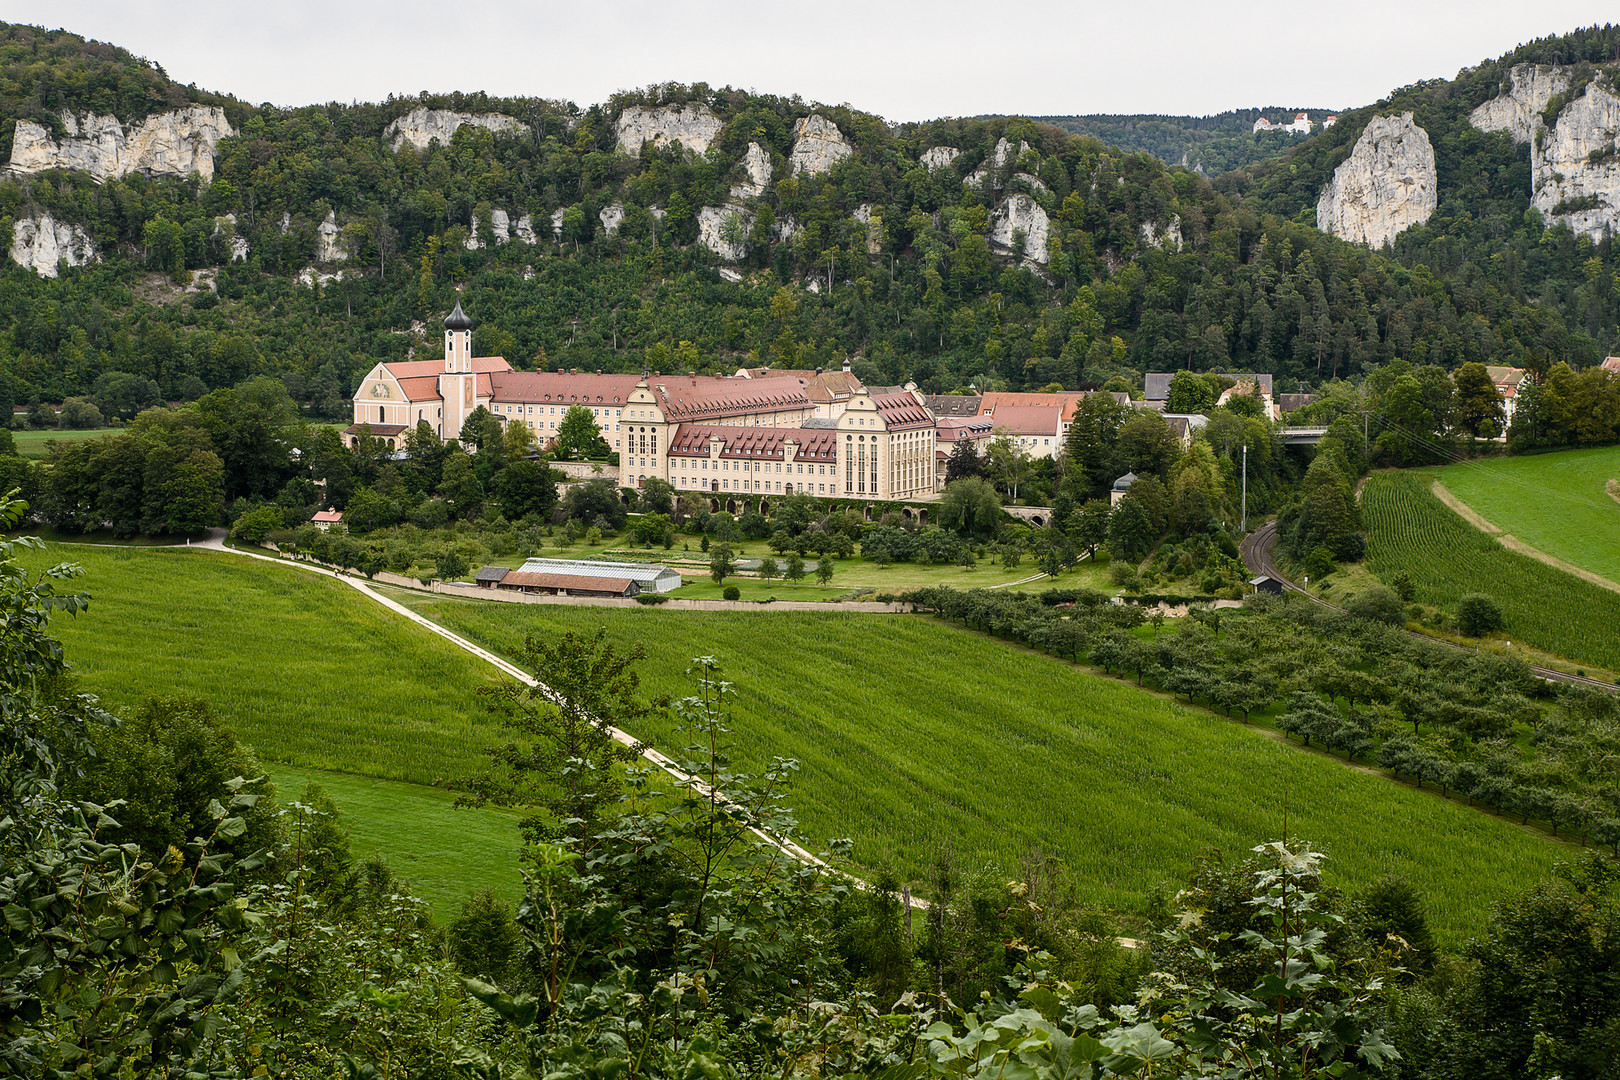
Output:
x=903 y=60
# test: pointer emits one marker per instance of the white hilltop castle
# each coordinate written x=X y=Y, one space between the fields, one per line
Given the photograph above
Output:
x=1300 y=125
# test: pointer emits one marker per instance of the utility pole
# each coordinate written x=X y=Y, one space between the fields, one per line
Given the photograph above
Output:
x=1244 y=527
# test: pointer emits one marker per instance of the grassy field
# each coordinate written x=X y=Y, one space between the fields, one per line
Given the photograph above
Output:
x=1553 y=502
x=1410 y=530
x=912 y=734
x=444 y=853
x=754 y=589
x=31 y=444
x=311 y=673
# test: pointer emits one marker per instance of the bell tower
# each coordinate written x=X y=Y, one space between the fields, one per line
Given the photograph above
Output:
x=457 y=342
x=457 y=384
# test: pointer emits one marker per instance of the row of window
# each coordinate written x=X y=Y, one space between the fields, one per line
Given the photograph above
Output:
x=777 y=487
x=702 y=464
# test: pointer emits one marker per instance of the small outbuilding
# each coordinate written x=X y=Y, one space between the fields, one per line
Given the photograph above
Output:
x=325 y=519
x=1265 y=583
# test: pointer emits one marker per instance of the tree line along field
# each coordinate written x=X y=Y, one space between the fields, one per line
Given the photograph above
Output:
x=1556 y=503
x=911 y=733
x=1409 y=530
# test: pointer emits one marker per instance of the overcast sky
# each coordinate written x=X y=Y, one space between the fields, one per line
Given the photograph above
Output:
x=903 y=60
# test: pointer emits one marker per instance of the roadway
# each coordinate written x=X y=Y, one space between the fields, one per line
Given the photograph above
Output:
x=1258 y=546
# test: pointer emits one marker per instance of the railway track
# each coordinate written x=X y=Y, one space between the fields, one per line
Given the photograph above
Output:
x=1258 y=546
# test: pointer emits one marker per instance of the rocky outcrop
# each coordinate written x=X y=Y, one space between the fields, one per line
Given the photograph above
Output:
x=1004 y=154
x=612 y=217
x=329 y=244
x=239 y=245
x=939 y=157
x=1384 y=187
x=757 y=163
x=1574 y=169
x=422 y=125
x=693 y=126
x=1517 y=109
x=523 y=229
x=867 y=215
x=1021 y=214
x=1033 y=183
x=311 y=277
x=176 y=143
x=500 y=228
x=40 y=242
x=1167 y=237
x=1001 y=156
x=714 y=223
x=818 y=145
x=556 y=224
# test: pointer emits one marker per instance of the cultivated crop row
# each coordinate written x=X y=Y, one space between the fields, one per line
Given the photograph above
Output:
x=1411 y=531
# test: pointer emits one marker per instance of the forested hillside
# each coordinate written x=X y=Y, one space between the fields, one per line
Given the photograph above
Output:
x=908 y=270
x=1485 y=243
x=1207 y=144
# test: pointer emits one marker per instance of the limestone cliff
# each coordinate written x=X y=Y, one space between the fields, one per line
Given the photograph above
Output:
x=239 y=246
x=757 y=163
x=1384 y=187
x=1517 y=109
x=329 y=243
x=1168 y=236
x=422 y=125
x=693 y=126
x=1021 y=214
x=176 y=143
x=818 y=145
x=612 y=217
x=869 y=215
x=1574 y=170
x=716 y=230
x=939 y=157
x=39 y=242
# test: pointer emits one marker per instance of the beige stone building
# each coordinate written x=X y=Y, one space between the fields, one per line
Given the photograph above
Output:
x=760 y=432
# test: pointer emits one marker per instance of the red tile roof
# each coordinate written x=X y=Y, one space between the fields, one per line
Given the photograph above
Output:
x=994 y=400
x=327 y=517
x=902 y=411
x=692 y=440
x=693 y=397
x=563 y=387
x=952 y=429
x=521 y=579
x=411 y=369
x=1029 y=419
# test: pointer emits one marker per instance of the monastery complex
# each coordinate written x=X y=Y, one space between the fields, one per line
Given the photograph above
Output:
x=762 y=430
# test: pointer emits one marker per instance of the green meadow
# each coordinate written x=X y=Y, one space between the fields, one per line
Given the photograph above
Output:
x=1556 y=503
x=910 y=734
x=1410 y=530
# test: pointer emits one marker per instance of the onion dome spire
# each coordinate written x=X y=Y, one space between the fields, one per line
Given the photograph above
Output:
x=458 y=319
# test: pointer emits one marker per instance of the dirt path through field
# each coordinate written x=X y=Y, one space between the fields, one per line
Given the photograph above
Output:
x=1513 y=543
